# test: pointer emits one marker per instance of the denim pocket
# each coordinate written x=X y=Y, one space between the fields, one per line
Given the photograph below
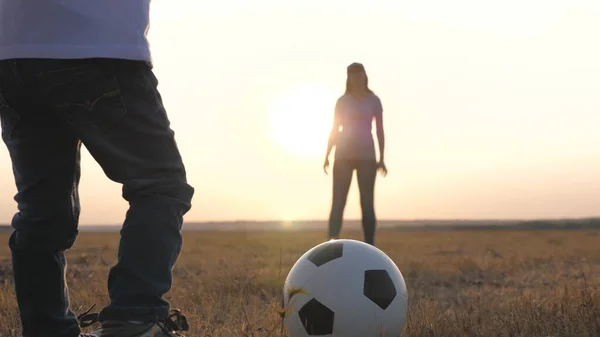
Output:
x=87 y=95
x=9 y=118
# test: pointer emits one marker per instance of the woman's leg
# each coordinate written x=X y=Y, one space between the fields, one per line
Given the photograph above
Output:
x=366 y=174
x=342 y=177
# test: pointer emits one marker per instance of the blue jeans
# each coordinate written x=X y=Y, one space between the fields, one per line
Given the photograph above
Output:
x=48 y=108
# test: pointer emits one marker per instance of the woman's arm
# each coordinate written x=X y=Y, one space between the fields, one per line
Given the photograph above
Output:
x=380 y=133
x=334 y=129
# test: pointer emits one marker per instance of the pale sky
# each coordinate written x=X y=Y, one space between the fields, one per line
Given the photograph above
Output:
x=491 y=108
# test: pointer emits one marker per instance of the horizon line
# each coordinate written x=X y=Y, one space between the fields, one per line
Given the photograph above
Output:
x=207 y=222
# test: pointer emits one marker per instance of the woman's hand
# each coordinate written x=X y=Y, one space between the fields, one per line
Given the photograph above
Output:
x=326 y=165
x=381 y=168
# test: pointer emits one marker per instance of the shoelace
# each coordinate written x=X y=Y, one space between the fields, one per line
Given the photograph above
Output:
x=86 y=319
x=176 y=321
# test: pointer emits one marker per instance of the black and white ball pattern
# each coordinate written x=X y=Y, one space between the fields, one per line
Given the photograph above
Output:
x=346 y=288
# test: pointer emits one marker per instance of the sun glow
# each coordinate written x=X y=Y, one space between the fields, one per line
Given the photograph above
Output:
x=301 y=120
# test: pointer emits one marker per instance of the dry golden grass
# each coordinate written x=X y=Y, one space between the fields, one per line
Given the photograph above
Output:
x=479 y=283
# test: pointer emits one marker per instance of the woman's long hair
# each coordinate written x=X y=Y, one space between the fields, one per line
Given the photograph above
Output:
x=356 y=67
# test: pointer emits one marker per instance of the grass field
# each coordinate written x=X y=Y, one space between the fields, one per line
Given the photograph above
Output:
x=465 y=283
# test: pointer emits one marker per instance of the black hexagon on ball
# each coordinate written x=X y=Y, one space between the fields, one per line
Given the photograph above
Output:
x=379 y=287
x=326 y=253
x=316 y=318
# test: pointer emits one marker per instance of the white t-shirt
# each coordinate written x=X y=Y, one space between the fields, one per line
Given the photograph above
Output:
x=74 y=29
x=355 y=140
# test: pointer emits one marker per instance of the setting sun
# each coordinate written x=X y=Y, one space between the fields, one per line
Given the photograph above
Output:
x=301 y=120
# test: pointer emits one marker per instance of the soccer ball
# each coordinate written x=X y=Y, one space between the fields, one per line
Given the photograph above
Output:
x=345 y=288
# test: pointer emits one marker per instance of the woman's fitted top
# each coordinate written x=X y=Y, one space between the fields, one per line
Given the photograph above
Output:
x=355 y=116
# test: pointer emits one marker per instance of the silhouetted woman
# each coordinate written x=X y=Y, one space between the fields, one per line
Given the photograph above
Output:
x=355 y=150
